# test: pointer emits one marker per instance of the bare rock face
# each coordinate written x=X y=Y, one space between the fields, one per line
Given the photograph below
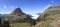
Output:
x=17 y=11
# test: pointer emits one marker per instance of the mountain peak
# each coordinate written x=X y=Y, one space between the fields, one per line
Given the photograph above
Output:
x=17 y=11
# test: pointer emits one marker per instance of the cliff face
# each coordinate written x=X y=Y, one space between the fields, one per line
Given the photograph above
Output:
x=50 y=17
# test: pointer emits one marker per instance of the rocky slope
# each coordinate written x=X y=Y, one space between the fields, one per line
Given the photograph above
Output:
x=50 y=17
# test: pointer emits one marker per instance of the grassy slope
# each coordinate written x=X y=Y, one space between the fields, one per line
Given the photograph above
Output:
x=20 y=25
x=12 y=17
x=55 y=22
x=43 y=23
x=52 y=17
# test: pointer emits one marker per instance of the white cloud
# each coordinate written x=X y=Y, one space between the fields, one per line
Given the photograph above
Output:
x=5 y=6
x=49 y=5
x=12 y=6
x=35 y=16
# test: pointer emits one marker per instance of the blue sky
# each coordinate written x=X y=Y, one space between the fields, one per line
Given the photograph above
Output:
x=27 y=6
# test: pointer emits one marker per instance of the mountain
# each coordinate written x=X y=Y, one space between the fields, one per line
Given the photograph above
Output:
x=18 y=16
x=49 y=18
x=17 y=11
